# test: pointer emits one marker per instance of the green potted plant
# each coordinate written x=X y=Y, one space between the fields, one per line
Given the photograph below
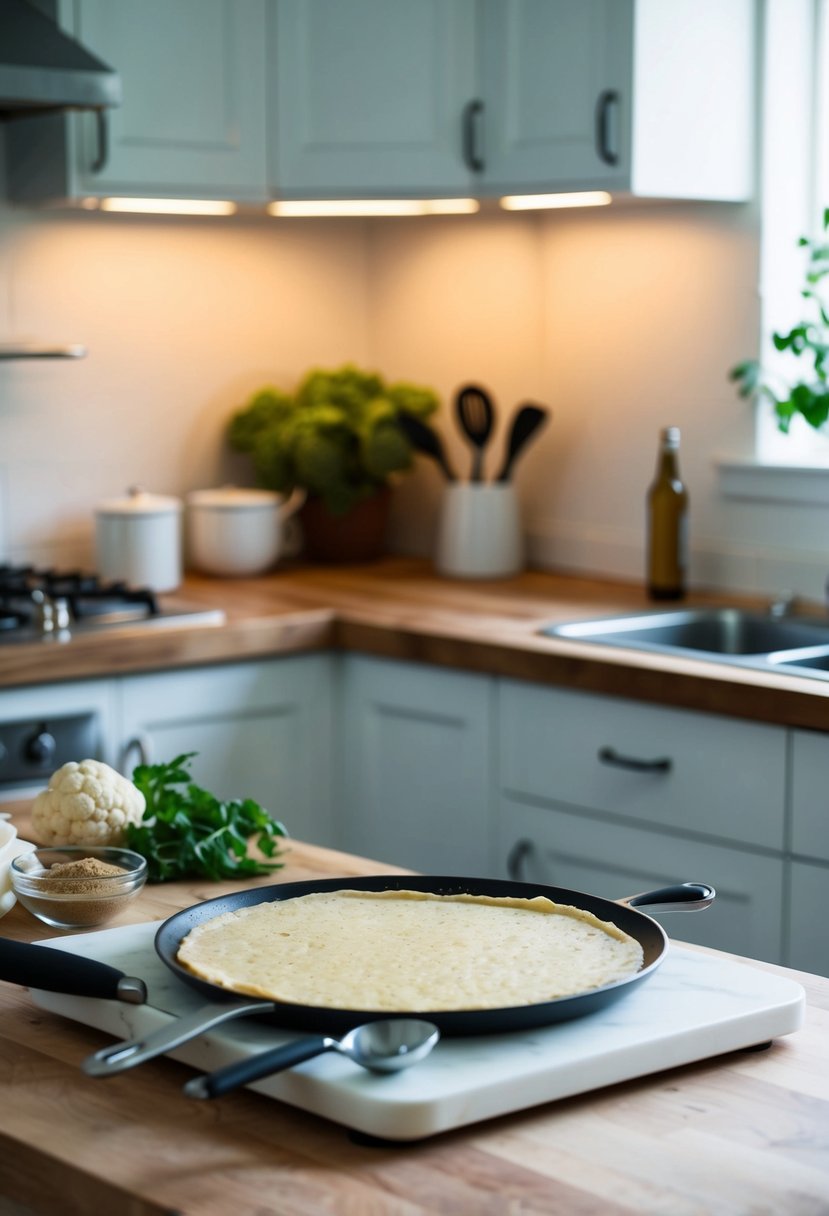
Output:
x=807 y=393
x=338 y=438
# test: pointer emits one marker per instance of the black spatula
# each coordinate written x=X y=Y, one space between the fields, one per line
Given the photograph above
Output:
x=528 y=420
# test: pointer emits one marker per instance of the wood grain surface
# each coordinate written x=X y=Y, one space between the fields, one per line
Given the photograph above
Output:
x=746 y=1133
x=400 y=609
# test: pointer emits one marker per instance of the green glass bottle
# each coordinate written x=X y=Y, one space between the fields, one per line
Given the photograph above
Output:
x=667 y=519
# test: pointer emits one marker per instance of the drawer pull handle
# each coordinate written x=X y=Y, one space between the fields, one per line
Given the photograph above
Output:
x=520 y=852
x=609 y=755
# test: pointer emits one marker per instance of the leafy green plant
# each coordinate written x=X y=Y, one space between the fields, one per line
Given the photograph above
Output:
x=807 y=394
x=187 y=832
x=337 y=436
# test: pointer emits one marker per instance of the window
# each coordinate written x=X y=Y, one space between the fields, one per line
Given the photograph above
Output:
x=794 y=189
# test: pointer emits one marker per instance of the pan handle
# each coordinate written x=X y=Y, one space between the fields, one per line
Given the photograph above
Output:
x=120 y=1056
x=684 y=897
x=59 y=971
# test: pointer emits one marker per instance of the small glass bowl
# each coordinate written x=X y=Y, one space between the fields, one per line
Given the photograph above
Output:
x=76 y=901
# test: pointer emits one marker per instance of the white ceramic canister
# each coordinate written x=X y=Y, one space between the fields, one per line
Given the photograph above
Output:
x=479 y=532
x=138 y=539
x=236 y=532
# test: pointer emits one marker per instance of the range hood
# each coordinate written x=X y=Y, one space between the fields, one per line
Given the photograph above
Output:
x=43 y=70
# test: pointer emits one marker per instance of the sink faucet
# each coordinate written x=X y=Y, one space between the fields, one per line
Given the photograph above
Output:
x=783 y=605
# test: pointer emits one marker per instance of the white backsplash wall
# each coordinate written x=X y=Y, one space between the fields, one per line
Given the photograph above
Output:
x=623 y=320
x=183 y=319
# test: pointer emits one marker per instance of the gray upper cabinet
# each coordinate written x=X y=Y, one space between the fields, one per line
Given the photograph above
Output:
x=449 y=97
x=555 y=86
x=367 y=97
x=192 y=121
x=326 y=99
x=641 y=97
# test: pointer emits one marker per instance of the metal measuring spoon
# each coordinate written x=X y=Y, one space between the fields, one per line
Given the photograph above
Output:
x=384 y=1046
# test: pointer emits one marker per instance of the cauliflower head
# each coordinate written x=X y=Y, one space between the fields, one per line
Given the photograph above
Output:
x=86 y=803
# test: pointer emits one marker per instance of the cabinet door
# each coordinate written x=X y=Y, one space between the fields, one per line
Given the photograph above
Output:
x=585 y=853
x=193 y=114
x=261 y=730
x=807 y=947
x=416 y=766
x=367 y=97
x=556 y=87
x=810 y=794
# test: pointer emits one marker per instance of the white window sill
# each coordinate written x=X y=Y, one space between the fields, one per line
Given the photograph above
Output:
x=792 y=483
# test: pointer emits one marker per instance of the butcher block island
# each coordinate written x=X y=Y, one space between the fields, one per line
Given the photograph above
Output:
x=743 y=1132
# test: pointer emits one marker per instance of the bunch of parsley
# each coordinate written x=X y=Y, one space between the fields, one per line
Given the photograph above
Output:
x=187 y=832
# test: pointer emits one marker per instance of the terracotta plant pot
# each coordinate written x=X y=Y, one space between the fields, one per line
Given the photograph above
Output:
x=359 y=536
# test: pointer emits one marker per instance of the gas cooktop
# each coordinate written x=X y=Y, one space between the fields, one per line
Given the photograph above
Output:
x=57 y=605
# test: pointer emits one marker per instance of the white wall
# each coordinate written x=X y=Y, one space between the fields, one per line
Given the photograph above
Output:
x=623 y=320
x=182 y=320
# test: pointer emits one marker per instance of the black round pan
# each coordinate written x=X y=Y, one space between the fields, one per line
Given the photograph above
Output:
x=625 y=914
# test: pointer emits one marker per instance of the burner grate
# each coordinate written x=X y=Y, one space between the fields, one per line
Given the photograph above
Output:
x=41 y=603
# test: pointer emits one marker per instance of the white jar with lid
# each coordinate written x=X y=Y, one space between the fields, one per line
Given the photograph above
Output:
x=138 y=540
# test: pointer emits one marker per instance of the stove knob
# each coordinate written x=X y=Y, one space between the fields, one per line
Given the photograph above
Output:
x=41 y=747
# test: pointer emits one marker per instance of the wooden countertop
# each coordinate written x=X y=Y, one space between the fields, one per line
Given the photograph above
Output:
x=400 y=609
x=746 y=1132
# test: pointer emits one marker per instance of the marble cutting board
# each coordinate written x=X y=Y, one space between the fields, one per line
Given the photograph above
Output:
x=695 y=1006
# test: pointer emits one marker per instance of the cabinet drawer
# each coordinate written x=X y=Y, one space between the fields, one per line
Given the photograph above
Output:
x=810 y=794
x=575 y=850
x=696 y=772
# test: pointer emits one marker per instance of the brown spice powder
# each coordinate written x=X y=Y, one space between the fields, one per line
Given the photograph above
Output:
x=87 y=876
x=78 y=877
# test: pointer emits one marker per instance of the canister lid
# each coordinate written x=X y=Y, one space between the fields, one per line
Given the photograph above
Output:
x=139 y=502
x=233 y=498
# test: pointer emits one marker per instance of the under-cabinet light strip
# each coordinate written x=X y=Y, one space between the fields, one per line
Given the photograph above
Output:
x=349 y=207
x=373 y=206
x=539 y=202
x=165 y=206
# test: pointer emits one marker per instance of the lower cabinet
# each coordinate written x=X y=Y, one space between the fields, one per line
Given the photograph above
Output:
x=416 y=766
x=807 y=946
x=260 y=730
x=582 y=852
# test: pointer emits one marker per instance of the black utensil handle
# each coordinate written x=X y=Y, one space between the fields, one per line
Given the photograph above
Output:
x=683 y=897
x=223 y=1080
x=59 y=971
x=608 y=100
x=472 y=155
x=609 y=755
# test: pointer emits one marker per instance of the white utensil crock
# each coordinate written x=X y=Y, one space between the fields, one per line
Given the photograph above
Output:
x=479 y=532
x=138 y=539
x=235 y=532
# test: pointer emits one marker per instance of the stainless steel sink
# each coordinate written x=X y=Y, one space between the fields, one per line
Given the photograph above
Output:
x=726 y=634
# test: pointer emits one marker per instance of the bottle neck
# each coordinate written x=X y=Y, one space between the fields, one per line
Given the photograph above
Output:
x=668 y=463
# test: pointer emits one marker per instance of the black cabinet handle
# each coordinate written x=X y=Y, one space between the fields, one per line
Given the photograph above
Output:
x=608 y=100
x=609 y=755
x=102 y=132
x=472 y=152
x=518 y=854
